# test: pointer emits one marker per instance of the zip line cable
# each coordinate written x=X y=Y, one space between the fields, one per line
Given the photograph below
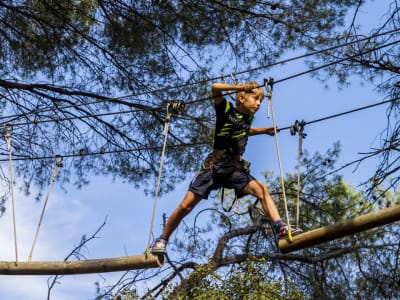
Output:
x=102 y=151
x=337 y=61
x=346 y=112
x=209 y=79
x=208 y=98
x=287 y=78
x=37 y=121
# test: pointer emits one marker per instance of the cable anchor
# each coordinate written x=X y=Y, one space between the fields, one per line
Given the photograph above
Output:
x=176 y=107
x=298 y=127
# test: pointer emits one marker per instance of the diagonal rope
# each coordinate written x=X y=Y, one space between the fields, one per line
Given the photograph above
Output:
x=7 y=130
x=171 y=106
x=57 y=164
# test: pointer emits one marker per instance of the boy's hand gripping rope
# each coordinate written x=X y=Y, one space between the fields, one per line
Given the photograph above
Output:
x=269 y=87
x=177 y=107
x=7 y=131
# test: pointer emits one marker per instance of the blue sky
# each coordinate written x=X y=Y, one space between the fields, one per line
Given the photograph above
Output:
x=128 y=211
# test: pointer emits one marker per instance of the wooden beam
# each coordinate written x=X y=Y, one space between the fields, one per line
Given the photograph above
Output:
x=340 y=229
x=81 y=266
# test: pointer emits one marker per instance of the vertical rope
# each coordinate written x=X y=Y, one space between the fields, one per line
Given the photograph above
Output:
x=178 y=107
x=298 y=127
x=269 y=86
x=58 y=164
x=298 y=181
x=7 y=130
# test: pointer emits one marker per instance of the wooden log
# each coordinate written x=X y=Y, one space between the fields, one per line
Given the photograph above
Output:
x=340 y=229
x=81 y=266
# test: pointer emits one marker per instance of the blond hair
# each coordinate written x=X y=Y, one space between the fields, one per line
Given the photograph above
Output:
x=258 y=92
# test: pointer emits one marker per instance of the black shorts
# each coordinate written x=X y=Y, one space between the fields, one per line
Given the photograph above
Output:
x=228 y=174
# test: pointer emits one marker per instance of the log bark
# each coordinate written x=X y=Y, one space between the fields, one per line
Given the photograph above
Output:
x=340 y=229
x=81 y=266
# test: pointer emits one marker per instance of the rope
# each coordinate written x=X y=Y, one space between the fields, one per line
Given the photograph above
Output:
x=269 y=87
x=299 y=128
x=7 y=130
x=177 y=107
x=144 y=148
x=57 y=164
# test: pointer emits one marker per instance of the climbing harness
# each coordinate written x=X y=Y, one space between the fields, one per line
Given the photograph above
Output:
x=234 y=205
x=269 y=84
x=176 y=107
x=245 y=165
x=7 y=131
x=298 y=127
x=57 y=164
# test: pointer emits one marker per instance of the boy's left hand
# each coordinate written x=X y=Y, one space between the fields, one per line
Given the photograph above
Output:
x=271 y=131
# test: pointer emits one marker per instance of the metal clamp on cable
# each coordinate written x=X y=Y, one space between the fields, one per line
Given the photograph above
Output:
x=58 y=160
x=298 y=127
x=176 y=107
x=8 y=129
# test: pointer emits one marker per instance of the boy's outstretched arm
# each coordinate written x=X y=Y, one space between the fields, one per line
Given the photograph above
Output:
x=263 y=130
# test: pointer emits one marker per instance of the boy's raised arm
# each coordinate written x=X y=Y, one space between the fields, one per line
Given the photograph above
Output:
x=218 y=88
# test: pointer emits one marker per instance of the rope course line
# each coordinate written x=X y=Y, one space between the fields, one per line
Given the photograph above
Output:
x=310 y=70
x=345 y=113
x=37 y=121
x=337 y=61
x=103 y=151
x=233 y=75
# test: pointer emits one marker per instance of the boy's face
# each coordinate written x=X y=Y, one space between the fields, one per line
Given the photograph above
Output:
x=250 y=103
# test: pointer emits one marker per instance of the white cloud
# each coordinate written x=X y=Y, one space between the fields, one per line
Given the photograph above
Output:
x=59 y=231
x=67 y=217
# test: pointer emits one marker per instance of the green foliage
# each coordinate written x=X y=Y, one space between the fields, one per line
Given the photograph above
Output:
x=245 y=281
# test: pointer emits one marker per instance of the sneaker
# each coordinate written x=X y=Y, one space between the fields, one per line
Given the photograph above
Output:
x=159 y=247
x=283 y=232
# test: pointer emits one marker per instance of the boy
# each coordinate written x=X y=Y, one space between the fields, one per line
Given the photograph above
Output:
x=224 y=166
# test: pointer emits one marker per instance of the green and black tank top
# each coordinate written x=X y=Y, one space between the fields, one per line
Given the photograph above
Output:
x=232 y=128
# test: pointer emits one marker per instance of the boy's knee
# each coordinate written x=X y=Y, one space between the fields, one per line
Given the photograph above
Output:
x=185 y=207
x=261 y=189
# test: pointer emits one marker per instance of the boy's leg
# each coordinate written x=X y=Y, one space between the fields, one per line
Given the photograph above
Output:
x=185 y=207
x=260 y=191
x=188 y=203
